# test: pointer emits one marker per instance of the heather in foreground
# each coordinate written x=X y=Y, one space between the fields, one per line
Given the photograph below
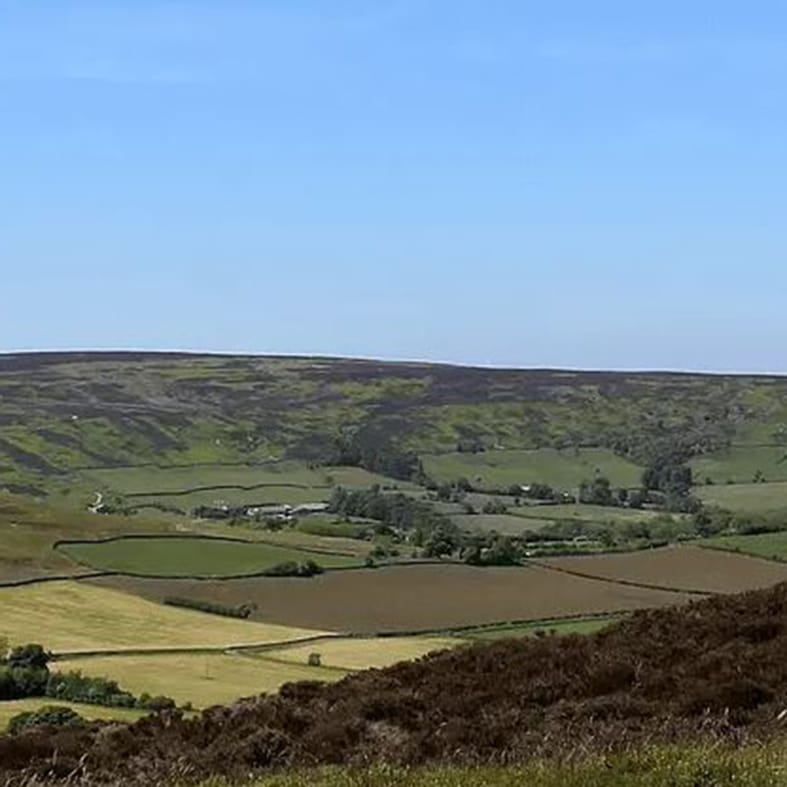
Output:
x=672 y=766
x=712 y=672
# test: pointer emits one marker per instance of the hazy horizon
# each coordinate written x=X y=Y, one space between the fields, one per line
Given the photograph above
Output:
x=512 y=185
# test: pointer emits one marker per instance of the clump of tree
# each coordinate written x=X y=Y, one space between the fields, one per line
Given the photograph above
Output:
x=673 y=479
x=497 y=551
x=377 y=452
x=395 y=511
x=24 y=672
x=292 y=568
x=242 y=611
x=48 y=716
x=597 y=492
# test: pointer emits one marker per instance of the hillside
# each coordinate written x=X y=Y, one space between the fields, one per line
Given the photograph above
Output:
x=714 y=670
x=62 y=413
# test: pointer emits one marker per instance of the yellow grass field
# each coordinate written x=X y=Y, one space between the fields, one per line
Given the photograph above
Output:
x=359 y=654
x=201 y=679
x=91 y=712
x=68 y=617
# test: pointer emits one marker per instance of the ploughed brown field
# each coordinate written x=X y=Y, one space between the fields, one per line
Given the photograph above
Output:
x=685 y=568
x=405 y=598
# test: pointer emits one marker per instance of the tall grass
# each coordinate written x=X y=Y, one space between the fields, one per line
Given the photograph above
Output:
x=674 y=766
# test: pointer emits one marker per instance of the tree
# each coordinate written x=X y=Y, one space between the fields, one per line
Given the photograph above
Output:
x=28 y=656
x=597 y=492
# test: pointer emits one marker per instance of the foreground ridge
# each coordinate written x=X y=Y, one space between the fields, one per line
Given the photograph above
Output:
x=714 y=669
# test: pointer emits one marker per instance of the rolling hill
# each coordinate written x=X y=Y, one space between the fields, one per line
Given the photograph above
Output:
x=62 y=414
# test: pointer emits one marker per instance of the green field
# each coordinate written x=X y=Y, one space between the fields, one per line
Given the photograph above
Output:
x=505 y=524
x=160 y=481
x=267 y=495
x=192 y=557
x=561 y=469
x=10 y=708
x=772 y=546
x=739 y=464
x=560 y=627
x=746 y=498
x=76 y=616
x=584 y=513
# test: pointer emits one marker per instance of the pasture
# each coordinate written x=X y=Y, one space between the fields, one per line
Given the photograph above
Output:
x=505 y=524
x=76 y=616
x=412 y=598
x=746 y=498
x=561 y=469
x=740 y=464
x=181 y=480
x=684 y=568
x=772 y=546
x=589 y=625
x=359 y=654
x=28 y=529
x=580 y=512
x=193 y=557
x=203 y=679
x=10 y=708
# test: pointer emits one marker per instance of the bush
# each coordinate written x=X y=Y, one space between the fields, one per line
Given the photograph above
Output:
x=33 y=656
x=50 y=715
x=292 y=569
x=241 y=611
x=19 y=682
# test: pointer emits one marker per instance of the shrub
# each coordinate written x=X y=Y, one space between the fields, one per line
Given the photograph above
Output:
x=242 y=611
x=50 y=715
x=292 y=569
x=28 y=656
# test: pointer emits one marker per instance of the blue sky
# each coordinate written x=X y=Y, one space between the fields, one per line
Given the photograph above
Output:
x=505 y=182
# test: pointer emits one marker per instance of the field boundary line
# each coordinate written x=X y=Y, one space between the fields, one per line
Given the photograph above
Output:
x=740 y=553
x=261 y=647
x=626 y=582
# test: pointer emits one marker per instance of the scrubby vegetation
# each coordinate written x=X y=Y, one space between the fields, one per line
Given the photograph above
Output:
x=25 y=672
x=235 y=611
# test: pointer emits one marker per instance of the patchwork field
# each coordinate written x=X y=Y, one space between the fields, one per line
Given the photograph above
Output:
x=772 y=546
x=28 y=530
x=410 y=598
x=586 y=513
x=359 y=654
x=201 y=679
x=195 y=557
x=506 y=524
x=76 y=616
x=747 y=498
x=740 y=464
x=561 y=469
x=10 y=708
x=559 y=627
x=687 y=568
x=153 y=480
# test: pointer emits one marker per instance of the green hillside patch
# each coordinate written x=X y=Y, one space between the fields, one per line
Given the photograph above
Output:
x=192 y=557
x=746 y=498
x=505 y=524
x=581 y=512
x=741 y=464
x=772 y=546
x=589 y=625
x=561 y=469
